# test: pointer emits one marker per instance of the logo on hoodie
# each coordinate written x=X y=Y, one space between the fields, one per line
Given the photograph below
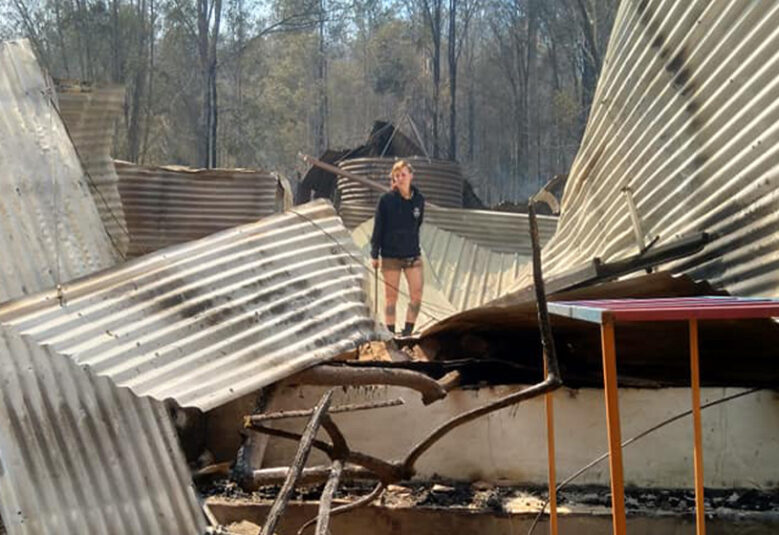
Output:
x=417 y=212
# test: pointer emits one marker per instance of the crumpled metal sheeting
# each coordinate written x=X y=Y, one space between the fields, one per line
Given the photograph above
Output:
x=80 y=455
x=169 y=205
x=89 y=113
x=208 y=321
x=686 y=114
x=468 y=273
x=50 y=229
x=502 y=232
x=440 y=181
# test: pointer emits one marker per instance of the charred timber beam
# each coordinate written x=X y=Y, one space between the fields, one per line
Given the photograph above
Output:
x=255 y=419
x=310 y=475
x=333 y=375
x=304 y=448
x=326 y=500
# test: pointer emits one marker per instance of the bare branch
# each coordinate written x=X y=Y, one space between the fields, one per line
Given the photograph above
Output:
x=311 y=475
x=306 y=441
x=375 y=493
x=326 y=501
x=385 y=471
x=260 y=418
x=328 y=374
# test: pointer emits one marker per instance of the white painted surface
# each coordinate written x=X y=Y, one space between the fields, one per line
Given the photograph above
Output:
x=741 y=437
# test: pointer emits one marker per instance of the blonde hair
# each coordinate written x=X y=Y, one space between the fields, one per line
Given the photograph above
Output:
x=400 y=164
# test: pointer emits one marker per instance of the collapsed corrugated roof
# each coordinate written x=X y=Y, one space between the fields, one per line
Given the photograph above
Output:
x=207 y=321
x=80 y=455
x=169 y=205
x=685 y=116
x=51 y=230
x=89 y=113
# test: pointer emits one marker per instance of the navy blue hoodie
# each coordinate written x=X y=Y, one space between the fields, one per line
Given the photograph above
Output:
x=396 y=225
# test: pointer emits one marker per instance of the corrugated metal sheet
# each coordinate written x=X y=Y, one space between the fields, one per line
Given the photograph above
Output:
x=440 y=181
x=169 y=205
x=207 y=321
x=686 y=115
x=80 y=455
x=503 y=232
x=459 y=273
x=89 y=113
x=50 y=229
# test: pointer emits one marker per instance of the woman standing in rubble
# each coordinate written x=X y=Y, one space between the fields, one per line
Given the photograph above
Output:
x=395 y=238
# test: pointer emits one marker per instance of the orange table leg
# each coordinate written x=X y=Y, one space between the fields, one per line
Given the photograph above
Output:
x=612 y=423
x=551 y=456
x=700 y=519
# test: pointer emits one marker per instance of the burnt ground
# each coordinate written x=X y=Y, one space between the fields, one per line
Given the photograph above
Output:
x=515 y=499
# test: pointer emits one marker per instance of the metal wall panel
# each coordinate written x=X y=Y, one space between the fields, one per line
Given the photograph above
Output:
x=686 y=115
x=502 y=232
x=169 y=205
x=440 y=181
x=80 y=455
x=89 y=113
x=208 y=321
x=50 y=229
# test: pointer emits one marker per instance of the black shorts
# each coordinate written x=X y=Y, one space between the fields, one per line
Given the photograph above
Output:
x=396 y=264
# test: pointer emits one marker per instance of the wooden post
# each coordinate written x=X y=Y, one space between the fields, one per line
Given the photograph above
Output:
x=700 y=518
x=612 y=424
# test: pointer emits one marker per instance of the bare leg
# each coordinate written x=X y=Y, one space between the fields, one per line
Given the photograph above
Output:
x=415 y=279
x=391 y=278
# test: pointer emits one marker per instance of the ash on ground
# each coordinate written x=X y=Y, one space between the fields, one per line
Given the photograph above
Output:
x=505 y=499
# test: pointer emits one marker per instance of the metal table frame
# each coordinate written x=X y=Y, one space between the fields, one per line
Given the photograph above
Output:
x=607 y=313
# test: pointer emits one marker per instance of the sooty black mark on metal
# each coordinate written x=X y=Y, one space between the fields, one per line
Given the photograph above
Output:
x=699 y=160
x=676 y=62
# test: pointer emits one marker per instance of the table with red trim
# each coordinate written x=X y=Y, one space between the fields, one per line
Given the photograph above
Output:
x=606 y=313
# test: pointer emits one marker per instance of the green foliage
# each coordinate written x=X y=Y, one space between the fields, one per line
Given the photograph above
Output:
x=516 y=127
x=393 y=52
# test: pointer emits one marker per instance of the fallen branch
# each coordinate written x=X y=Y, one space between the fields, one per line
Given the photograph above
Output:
x=512 y=399
x=451 y=380
x=306 y=441
x=375 y=493
x=280 y=415
x=331 y=375
x=384 y=471
x=311 y=475
x=326 y=500
x=340 y=447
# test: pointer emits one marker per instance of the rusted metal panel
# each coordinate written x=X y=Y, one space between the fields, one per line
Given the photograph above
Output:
x=80 y=455
x=686 y=116
x=169 y=205
x=440 y=181
x=89 y=113
x=50 y=229
x=502 y=232
x=207 y=321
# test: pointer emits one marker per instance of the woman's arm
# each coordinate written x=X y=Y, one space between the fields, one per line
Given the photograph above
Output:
x=378 y=227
